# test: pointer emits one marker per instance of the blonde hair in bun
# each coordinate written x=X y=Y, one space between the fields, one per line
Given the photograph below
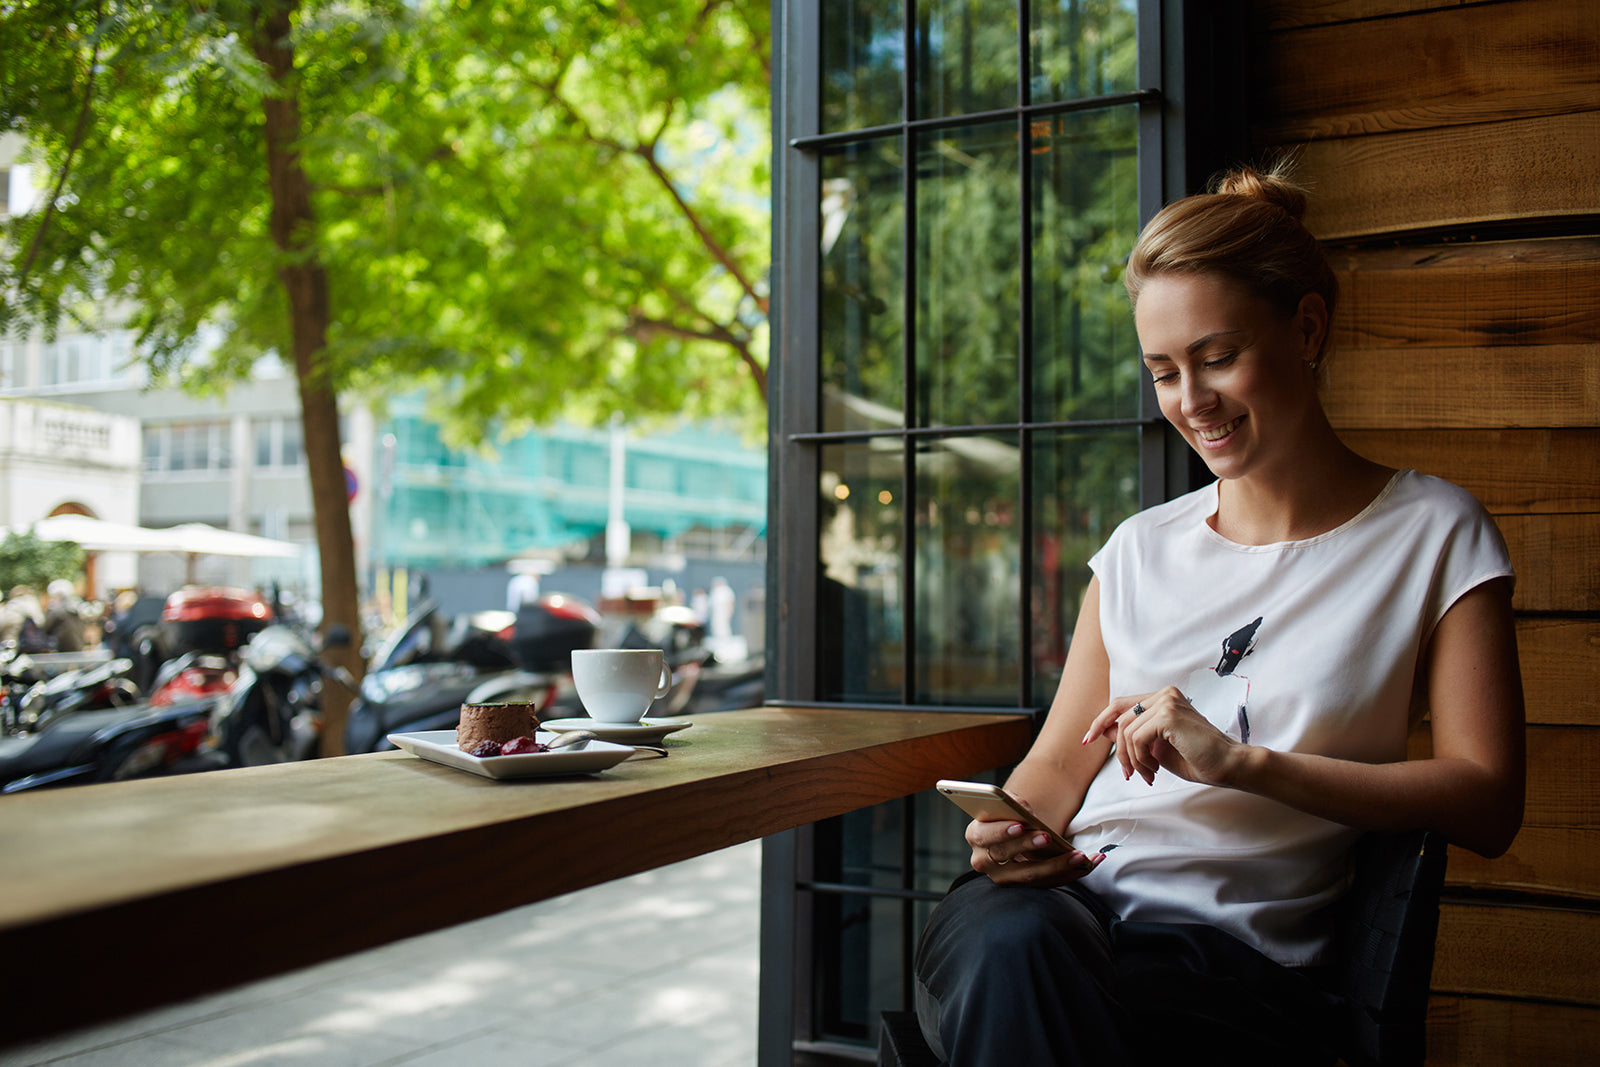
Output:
x=1275 y=186
x=1247 y=227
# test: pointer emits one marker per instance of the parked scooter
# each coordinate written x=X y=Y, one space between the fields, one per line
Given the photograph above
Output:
x=106 y=746
x=421 y=676
x=272 y=713
x=102 y=685
x=700 y=681
x=65 y=742
x=194 y=676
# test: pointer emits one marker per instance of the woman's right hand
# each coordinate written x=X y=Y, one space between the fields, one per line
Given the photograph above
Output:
x=1010 y=854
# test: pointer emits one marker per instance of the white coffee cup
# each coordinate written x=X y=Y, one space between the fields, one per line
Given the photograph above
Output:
x=619 y=684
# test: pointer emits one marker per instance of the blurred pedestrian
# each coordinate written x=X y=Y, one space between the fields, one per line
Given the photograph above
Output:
x=722 y=602
x=22 y=620
x=523 y=588
x=64 y=621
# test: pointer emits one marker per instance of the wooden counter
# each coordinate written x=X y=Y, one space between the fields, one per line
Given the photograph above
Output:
x=115 y=898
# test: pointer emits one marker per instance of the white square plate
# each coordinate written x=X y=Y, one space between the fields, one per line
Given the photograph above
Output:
x=440 y=747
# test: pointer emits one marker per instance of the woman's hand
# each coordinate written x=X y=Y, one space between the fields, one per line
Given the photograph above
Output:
x=1162 y=730
x=1011 y=854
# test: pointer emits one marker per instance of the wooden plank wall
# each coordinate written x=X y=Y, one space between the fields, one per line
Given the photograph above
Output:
x=1453 y=151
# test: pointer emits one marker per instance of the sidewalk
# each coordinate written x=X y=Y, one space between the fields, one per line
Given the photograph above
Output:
x=660 y=968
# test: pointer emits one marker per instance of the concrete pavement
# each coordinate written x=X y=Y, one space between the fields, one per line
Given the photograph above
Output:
x=657 y=969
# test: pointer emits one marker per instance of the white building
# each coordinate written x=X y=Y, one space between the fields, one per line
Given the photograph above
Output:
x=60 y=459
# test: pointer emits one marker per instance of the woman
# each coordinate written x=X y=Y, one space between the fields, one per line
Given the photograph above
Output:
x=1247 y=663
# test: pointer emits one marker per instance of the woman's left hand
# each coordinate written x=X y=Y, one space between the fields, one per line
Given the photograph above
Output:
x=1162 y=730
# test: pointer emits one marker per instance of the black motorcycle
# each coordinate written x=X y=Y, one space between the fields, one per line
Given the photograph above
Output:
x=53 y=736
x=100 y=685
x=426 y=670
x=106 y=746
x=272 y=713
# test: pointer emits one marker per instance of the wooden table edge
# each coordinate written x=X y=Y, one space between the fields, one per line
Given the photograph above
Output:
x=136 y=953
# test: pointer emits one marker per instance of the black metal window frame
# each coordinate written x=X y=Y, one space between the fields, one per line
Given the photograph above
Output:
x=1191 y=120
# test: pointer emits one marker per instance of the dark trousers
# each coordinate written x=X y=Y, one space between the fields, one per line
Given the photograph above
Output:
x=1017 y=977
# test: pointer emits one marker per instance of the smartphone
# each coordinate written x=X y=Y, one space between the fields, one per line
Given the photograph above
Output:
x=984 y=801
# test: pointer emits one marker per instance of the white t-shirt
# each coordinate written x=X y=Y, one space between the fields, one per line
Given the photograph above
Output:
x=1302 y=646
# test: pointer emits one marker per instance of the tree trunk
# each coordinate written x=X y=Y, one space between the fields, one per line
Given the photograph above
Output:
x=306 y=285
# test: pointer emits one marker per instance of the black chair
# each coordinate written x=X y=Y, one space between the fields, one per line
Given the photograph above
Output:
x=1383 y=961
x=1384 y=946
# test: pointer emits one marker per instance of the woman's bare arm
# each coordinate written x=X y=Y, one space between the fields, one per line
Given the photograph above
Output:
x=1052 y=779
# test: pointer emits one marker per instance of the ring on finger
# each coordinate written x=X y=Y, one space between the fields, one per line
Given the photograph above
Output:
x=997 y=863
x=1138 y=709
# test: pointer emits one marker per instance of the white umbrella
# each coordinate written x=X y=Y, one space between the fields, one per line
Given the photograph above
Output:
x=98 y=535
x=196 y=538
x=191 y=539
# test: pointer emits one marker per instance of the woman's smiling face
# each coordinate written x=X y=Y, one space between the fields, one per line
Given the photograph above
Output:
x=1232 y=373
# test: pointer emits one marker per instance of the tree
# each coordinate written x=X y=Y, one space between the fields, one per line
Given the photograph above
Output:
x=533 y=210
x=27 y=559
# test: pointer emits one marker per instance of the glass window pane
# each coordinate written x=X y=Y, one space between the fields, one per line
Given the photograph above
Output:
x=263 y=432
x=863 y=279
x=221 y=446
x=968 y=276
x=869 y=852
x=1084 y=484
x=178 y=447
x=967 y=574
x=155 y=448
x=293 y=449
x=864 y=942
x=859 y=620
x=863 y=63
x=859 y=948
x=198 y=438
x=1085 y=222
x=1080 y=48
x=966 y=56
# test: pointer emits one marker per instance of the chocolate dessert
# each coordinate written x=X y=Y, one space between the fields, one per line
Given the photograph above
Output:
x=494 y=722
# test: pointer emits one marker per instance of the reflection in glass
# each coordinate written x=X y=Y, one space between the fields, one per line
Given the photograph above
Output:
x=1084 y=484
x=863 y=281
x=1085 y=221
x=967 y=568
x=966 y=56
x=863 y=63
x=1080 y=48
x=859 y=621
x=968 y=276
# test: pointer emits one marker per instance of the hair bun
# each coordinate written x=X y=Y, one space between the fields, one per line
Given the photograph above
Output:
x=1273 y=186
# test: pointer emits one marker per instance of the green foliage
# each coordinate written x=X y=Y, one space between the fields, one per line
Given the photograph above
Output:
x=26 y=559
x=534 y=210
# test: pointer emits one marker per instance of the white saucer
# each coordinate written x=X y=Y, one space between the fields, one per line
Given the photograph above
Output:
x=439 y=746
x=645 y=731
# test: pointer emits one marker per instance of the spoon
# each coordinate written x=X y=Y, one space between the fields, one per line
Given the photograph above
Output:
x=572 y=737
x=568 y=738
